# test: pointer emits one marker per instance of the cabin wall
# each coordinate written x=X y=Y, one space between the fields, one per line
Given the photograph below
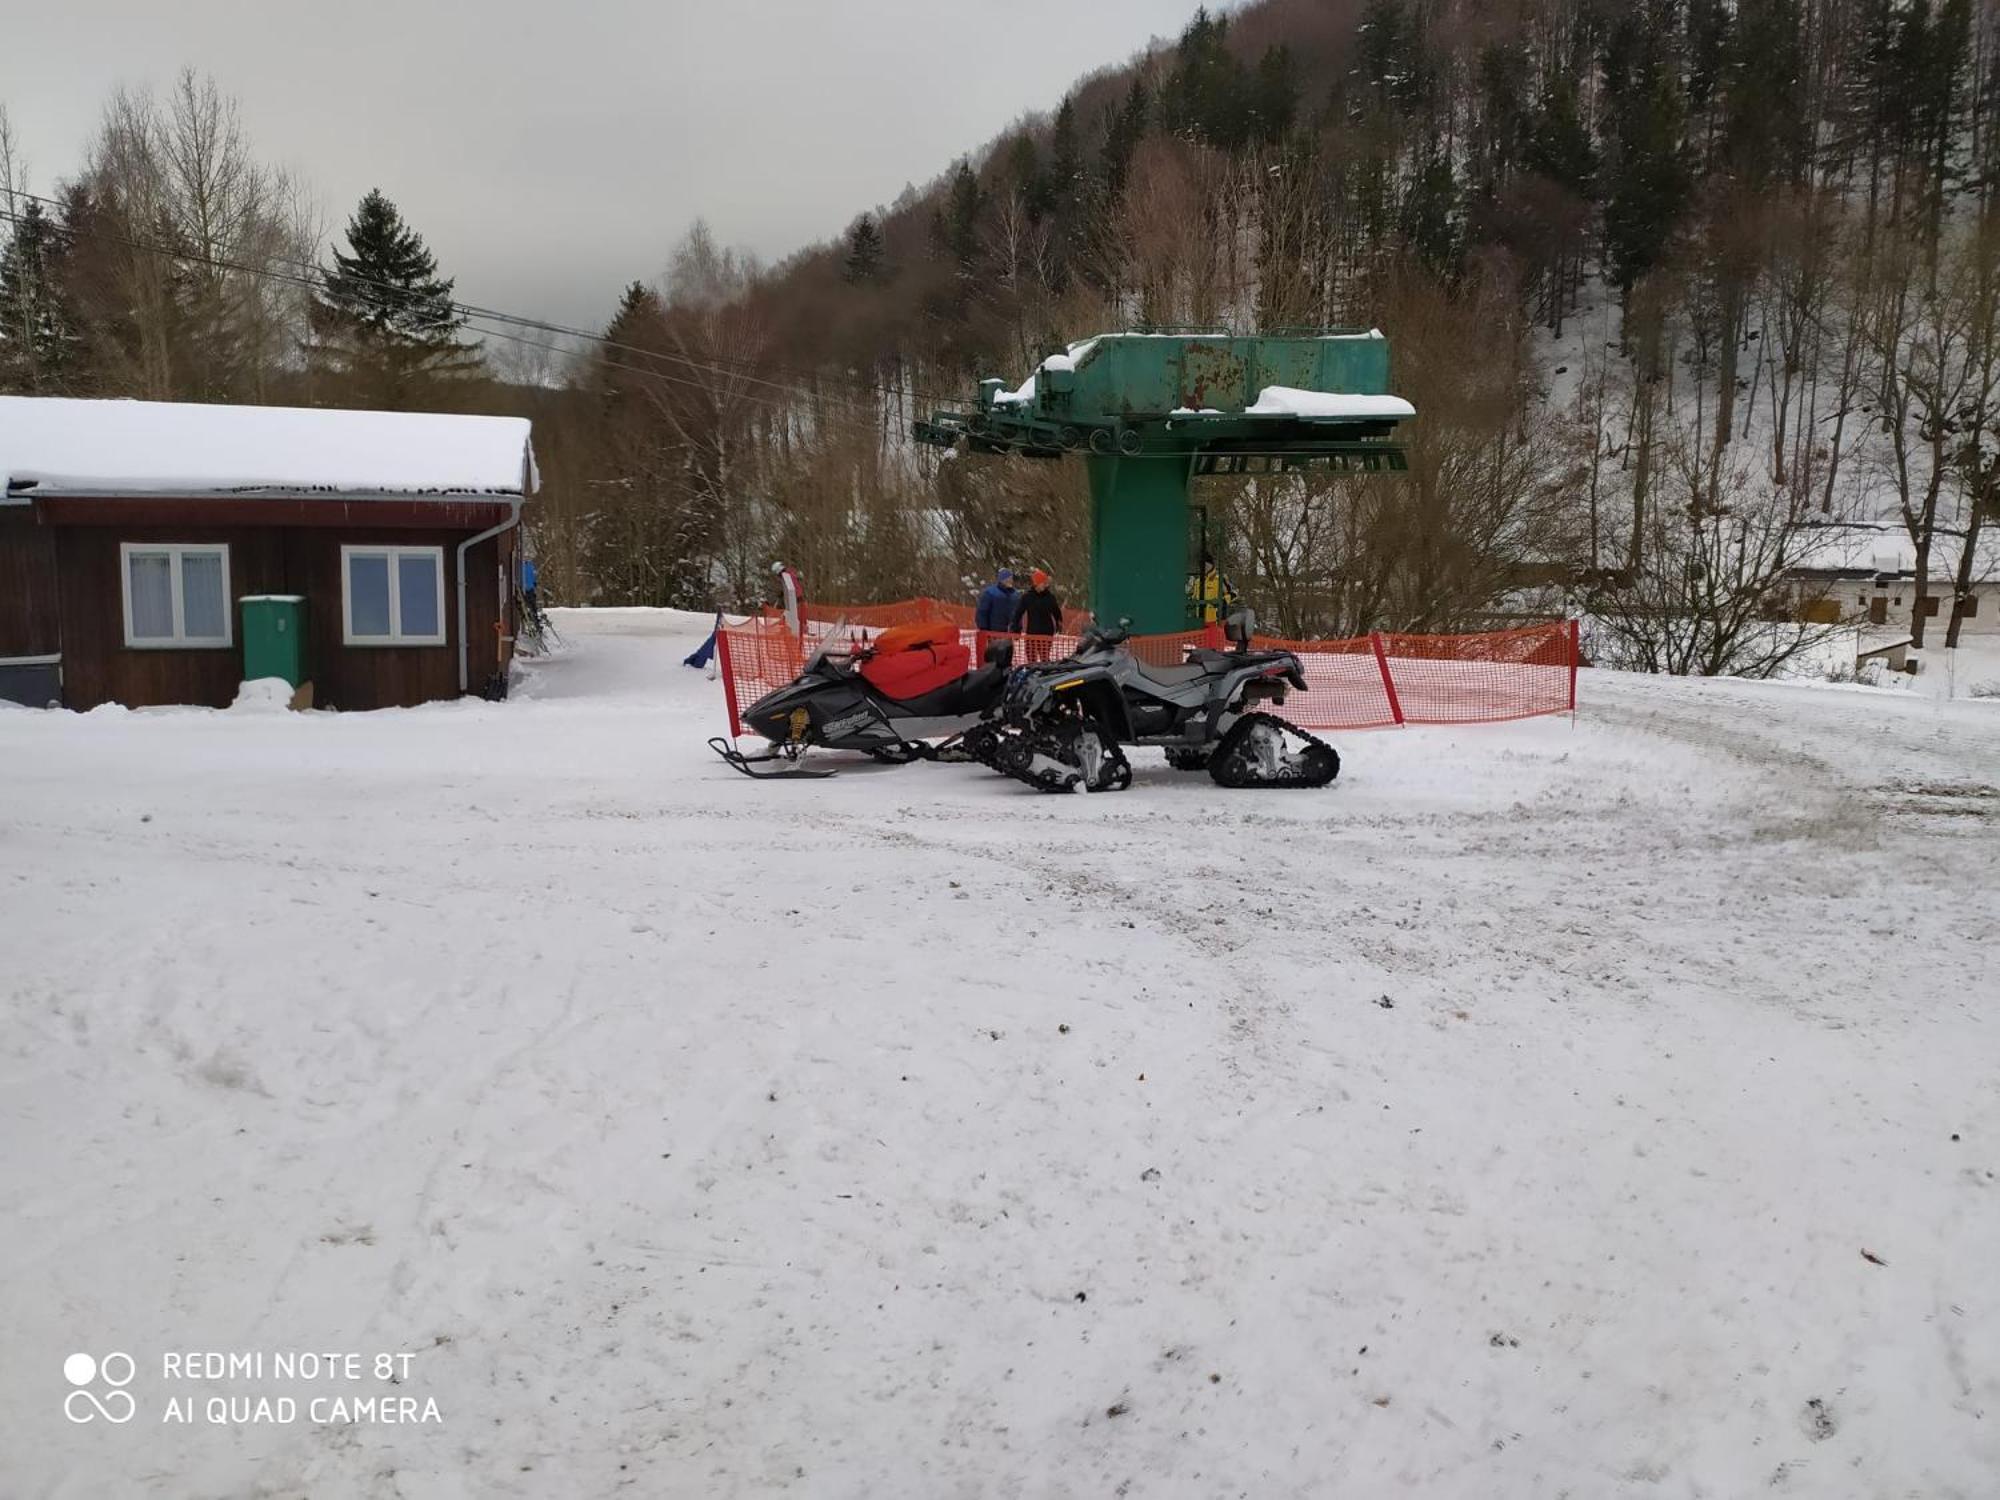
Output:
x=29 y=628
x=98 y=667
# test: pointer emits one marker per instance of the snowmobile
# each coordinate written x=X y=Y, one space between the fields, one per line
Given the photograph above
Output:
x=890 y=697
x=1062 y=724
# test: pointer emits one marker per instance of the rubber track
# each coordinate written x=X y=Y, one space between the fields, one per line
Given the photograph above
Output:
x=1223 y=764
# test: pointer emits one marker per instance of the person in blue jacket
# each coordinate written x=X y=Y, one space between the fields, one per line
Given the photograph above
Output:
x=997 y=604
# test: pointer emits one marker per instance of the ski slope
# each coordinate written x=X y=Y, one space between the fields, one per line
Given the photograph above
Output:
x=1510 y=1119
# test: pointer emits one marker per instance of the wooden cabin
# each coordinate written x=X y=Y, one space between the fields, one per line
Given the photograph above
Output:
x=132 y=531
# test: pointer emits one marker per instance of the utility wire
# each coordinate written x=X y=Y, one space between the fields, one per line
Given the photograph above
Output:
x=472 y=310
x=867 y=413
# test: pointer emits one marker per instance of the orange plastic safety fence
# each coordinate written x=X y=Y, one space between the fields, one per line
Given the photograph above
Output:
x=1369 y=682
x=1483 y=679
x=757 y=657
x=881 y=616
x=1346 y=687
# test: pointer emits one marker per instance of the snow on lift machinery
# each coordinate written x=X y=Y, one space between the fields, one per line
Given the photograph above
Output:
x=1152 y=412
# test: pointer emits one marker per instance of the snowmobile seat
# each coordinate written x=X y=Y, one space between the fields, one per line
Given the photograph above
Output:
x=914 y=674
x=915 y=637
x=983 y=688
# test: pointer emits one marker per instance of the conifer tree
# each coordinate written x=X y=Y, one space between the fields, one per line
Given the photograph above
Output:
x=863 y=261
x=1123 y=132
x=958 y=222
x=1065 y=154
x=1764 y=136
x=37 y=334
x=384 y=321
x=1024 y=170
x=1648 y=179
x=1274 y=97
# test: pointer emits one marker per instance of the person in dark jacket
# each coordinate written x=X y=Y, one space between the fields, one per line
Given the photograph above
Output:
x=1039 y=616
x=997 y=604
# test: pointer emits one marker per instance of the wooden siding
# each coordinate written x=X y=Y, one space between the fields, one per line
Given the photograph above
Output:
x=98 y=667
x=27 y=584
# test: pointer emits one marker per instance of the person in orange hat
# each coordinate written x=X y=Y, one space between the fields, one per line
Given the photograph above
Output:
x=1039 y=617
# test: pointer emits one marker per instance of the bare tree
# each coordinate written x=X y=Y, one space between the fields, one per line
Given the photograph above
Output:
x=202 y=254
x=1713 y=592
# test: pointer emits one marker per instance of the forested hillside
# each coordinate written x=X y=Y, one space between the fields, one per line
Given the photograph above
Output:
x=1670 y=282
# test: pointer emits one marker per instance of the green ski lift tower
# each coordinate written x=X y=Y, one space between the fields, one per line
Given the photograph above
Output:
x=1152 y=412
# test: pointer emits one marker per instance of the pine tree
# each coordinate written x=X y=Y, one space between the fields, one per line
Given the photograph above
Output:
x=1024 y=170
x=384 y=320
x=1764 y=132
x=1431 y=221
x=958 y=222
x=1205 y=97
x=1123 y=132
x=1274 y=97
x=37 y=333
x=863 y=261
x=634 y=339
x=1648 y=177
x=1382 y=51
x=1559 y=145
x=1065 y=154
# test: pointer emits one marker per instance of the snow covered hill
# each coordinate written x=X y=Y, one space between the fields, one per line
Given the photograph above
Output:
x=1546 y=1109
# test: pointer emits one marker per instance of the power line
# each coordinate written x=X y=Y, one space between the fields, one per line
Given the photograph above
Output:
x=872 y=415
x=863 y=412
x=472 y=310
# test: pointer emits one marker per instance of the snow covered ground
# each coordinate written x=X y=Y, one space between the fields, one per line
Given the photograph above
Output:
x=1544 y=1110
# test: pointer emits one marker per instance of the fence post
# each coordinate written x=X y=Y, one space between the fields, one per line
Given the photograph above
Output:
x=728 y=680
x=1388 y=682
x=1575 y=651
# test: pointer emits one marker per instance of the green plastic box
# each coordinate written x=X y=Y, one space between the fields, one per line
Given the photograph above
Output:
x=274 y=637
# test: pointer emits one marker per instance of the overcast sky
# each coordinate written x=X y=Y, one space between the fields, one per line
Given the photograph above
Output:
x=549 y=151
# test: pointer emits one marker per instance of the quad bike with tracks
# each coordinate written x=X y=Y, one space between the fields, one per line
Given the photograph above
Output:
x=1062 y=725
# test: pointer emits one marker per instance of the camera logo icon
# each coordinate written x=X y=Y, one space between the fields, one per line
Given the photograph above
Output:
x=84 y=1404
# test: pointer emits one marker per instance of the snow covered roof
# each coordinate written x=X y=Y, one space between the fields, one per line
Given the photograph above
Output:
x=1887 y=551
x=52 y=446
x=1287 y=401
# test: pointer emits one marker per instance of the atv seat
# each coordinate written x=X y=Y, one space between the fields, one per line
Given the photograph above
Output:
x=1210 y=660
x=1171 y=676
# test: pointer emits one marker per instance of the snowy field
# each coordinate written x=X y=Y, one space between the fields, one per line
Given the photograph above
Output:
x=1547 y=1109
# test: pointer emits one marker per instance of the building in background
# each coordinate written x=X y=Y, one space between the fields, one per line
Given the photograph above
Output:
x=132 y=533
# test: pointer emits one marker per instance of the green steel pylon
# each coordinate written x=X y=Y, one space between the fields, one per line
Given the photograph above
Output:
x=1150 y=412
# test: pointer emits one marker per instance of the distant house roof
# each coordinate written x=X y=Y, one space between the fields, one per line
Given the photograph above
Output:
x=1837 y=550
x=56 y=447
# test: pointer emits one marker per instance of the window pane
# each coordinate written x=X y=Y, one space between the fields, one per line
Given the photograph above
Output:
x=150 y=581
x=368 y=593
x=417 y=582
x=204 y=612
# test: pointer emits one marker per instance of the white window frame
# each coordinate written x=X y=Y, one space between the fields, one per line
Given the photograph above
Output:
x=395 y=555
x=180 y=640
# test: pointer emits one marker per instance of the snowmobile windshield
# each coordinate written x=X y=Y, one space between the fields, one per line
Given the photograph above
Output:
x=837 y=644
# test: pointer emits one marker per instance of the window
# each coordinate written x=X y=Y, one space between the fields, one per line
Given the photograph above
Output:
x=175 y=595
x=392 y=596
x=1930 y=609
x=1970 y=607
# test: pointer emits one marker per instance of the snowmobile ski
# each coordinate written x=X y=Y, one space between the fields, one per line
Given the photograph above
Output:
x=738 y=761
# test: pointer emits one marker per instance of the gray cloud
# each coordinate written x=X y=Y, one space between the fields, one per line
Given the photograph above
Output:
x=552 y=153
